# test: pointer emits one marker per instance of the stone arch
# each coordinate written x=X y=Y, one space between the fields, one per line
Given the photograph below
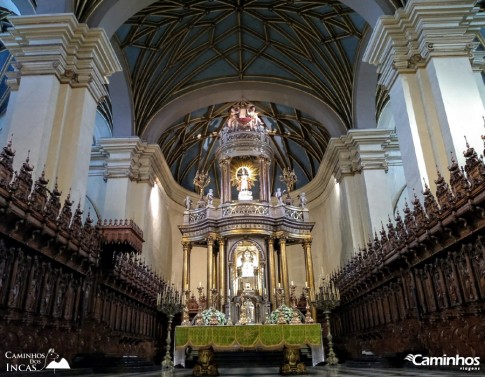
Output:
x=220 y=93
x=261 y=256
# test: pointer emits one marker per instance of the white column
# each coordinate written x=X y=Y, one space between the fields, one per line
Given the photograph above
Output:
x=130 y=179
x=61 y=69
x=362 y=161
x=422 y=54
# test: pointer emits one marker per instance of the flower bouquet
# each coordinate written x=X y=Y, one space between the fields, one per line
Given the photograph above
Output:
x=213 y=316
x=283 y=314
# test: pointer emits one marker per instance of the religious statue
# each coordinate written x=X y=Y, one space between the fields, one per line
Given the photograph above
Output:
x=247 y=264
x=210 y=197
x=255 y=122
x=188 y=203
x=243 y=117
x=303 y=200
x=244 y=182
x=279 y=196
x=233 y=115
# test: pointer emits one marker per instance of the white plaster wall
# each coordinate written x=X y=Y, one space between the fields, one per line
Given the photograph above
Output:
x=296 y=266
x=31 y=128
x=96 y=193
x=198 y=268
x=329 y=246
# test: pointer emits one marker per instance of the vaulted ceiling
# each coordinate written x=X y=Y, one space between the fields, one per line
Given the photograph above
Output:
x=174 y=47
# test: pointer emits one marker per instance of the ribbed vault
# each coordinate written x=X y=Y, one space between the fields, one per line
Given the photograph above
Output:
x=298 y=141
x=175 y=47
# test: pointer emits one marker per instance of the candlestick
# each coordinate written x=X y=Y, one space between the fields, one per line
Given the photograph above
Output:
x=170 y=305
x=327 y=300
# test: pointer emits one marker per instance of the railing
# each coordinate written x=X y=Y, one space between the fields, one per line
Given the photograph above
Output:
x=246 y=209
x=236 y=136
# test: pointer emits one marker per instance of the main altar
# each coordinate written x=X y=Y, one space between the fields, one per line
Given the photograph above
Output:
x=290 y=338
x=247 y=233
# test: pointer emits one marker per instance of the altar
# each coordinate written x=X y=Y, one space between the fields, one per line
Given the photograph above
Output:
x=257 y=337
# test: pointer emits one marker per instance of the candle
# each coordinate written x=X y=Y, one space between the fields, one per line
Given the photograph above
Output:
x=292 y=282
x=279 y=285
x=306 y=284
x=200 y=284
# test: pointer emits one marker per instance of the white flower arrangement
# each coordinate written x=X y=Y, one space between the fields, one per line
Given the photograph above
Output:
x=208 y=316
x=287 y=314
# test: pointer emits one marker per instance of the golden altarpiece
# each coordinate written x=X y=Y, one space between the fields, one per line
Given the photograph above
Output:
x=246 y=236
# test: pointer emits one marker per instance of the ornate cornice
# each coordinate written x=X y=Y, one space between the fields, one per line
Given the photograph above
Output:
x=423 y=29
x=57 y=44
x=351 y=154
x=138 y=161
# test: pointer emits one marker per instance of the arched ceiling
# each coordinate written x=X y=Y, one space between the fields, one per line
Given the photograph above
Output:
x=172 y=48
x=296 y=139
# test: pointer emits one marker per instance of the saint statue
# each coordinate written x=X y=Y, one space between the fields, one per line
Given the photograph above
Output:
x=244 y=182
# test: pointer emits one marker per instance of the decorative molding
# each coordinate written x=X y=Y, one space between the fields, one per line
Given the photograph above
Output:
x=350 y=154
x=57 y=44
x=138 y=161
x=422 y=30
x=357 y=151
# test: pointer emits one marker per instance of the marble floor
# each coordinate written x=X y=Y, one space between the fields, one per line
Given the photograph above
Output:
x=323 y=371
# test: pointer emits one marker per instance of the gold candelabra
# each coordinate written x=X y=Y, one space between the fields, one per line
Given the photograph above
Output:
x=308 y=314
x=295 y=320
x=199 y=321
x=186 y=317
x=169 y=302
x=201 y=180
x=289 y=178
x=327 y=300
x=280 y=297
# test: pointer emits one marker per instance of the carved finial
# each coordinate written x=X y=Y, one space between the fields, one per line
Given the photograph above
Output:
x=454 y=164
x=42 y=179
x=26 y=166
x=426 y=190
x=89 y=221
x=8 y=150
x=56 y=192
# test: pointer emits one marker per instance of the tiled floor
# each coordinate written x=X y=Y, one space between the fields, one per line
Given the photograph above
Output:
x=324 y=371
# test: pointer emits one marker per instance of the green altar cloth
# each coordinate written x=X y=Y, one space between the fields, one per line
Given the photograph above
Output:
x=262 y=337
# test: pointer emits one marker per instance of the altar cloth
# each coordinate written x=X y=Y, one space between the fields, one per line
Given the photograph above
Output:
x=252 y=337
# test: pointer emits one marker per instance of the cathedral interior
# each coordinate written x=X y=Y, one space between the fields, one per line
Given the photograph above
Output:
x=308 y=173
